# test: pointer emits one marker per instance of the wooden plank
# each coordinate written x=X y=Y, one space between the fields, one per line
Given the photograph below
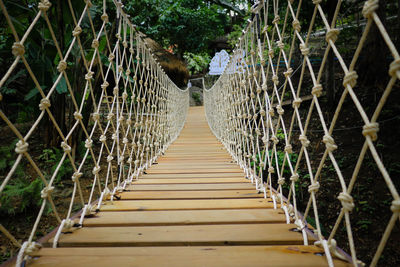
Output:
x=190 y=181
x=190 y=194
x=175 y=187
x=197 y=204
x=185 y=217
x=231 y=256
x=191 y=175
x=185 y=235
x=227 y=170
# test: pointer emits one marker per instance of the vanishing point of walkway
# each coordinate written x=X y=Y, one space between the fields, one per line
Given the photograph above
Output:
x=193 y=208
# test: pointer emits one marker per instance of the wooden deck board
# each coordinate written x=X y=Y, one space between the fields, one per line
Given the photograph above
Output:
x=190 y=194
x=221 y=256
x=202 y=187
x=198 y=204
x=186 y=217
x=184 y=235
x=193 y=208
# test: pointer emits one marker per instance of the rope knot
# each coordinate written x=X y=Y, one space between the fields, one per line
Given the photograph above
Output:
x=262 y=112
x=32 y=247
x=305 y=51
x=294 y=178
x=114 y=136
x=21 y=147
x=77 y=31
x=289 y=149
x=317 y=90
x=110 y=116
x=65 y=147
x=44 y=103
x=104 y=85
x=271 y=170
x=110 y=158
x=276 y=19
x=332 y=35
x=300 y=225
x=75 y=177
x=281 y=181
x=125 y=140
x=274 y=139
x=288 y=72
x=264 y=139
x=304 y=141
x=395 y=68
x=350 y=79
x=137 y=162
x=68 y=224
x=314 y=187
x=280 y=44
x=88 y=143
x=395 y=207
x=271 y=53
x=96 y=170
x=104 y=17
x=329 y=143
x=95 y=43
x=103 y=138
x=347 y=201
x=46 y=191
x=296 y=102
x=44 y=5
x=18 y=49
x=62 y=66
x=296 y=25
x=280 y=110
x=275 y=79
x=111 y=57
x=271 y=112
x=96 y=116
x=78 y=116
x=89 y=75
x=371 y=130
x=88 y=3
x=369 y=8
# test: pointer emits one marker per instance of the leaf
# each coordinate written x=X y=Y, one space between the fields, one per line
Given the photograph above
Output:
x=62 y=86
x=31 y=93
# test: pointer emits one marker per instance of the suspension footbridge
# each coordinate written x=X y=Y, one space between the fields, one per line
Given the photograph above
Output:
x=176 y=186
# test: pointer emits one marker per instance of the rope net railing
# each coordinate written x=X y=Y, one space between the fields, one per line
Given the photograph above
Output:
x=245 y=110
x=135 y=110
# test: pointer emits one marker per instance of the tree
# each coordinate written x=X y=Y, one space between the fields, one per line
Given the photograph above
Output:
x=186 y=25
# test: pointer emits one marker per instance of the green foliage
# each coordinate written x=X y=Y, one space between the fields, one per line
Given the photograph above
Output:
x=20 y=194
x=6 y=156
x=51 y=157
x=197 y=63
x=188 y=25
x=196 y=98
x=234 y=35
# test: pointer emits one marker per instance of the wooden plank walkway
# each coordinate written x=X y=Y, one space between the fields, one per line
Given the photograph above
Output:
x=193 y=208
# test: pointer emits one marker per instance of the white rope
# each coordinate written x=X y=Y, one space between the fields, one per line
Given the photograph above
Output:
x=245 y=111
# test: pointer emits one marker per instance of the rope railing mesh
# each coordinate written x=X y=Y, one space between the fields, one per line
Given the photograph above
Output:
x=245 y=110
x=136 y=110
